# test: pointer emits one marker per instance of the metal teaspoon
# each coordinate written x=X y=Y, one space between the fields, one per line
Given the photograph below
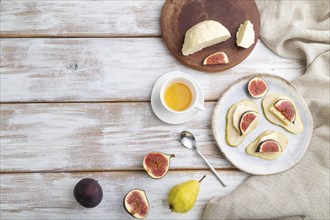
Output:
x=188 y=140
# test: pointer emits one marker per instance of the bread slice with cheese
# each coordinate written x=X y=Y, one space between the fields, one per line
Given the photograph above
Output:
x=204 y=34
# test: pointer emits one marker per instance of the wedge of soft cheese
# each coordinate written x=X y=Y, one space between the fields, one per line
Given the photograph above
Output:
x=204 y=34
x=271 y=136
x=245 y=35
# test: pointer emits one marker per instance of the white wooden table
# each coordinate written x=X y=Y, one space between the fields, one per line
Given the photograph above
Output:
x=76 y=78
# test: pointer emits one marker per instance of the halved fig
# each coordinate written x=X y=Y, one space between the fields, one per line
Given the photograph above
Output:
x=269 y=146
x=157 y=164
x=286 y=108
x=246 y=121
x=257 y=87
x=136 y=203
x=216 y=58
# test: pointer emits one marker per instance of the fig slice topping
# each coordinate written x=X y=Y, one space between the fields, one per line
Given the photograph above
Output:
x=246 y=121
x=269 y=146
x=286 y=108
x=216 y=58
x=136 y=203
x=157 y=164
x=257 y=87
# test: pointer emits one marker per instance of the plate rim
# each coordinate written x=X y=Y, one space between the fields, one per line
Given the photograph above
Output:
x=250 y=76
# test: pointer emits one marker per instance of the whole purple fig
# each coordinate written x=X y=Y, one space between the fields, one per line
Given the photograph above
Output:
x=88 y=193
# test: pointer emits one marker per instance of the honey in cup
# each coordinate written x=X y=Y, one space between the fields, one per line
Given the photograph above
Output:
x=178 y=96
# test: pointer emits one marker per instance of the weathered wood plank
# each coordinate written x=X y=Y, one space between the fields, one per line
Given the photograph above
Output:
x=36 y=18
x=66 y=70
x=97 y=136
x=50 y=196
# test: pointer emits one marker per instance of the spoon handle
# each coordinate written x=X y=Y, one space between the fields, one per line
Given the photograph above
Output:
x=213 y=170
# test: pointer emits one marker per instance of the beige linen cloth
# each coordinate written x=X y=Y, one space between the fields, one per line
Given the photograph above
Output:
x=299 y=30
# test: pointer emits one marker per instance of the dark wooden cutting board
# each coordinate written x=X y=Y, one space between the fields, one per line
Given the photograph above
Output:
x=180 y=15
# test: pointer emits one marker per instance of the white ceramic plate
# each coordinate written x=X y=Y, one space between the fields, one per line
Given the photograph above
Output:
x=165 y=115
x=298 y=143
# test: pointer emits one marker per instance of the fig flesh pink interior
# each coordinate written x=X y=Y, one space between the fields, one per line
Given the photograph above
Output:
x=269 y=146
x=137 y=203
x=246 y=121
x=257 y=87
x=158 y=163
x=286 y=108
x=216 y=58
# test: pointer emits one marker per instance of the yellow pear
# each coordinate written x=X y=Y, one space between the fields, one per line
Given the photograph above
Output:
x=182 y=197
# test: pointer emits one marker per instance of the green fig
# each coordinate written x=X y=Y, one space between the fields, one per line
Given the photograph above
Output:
x=182 y=197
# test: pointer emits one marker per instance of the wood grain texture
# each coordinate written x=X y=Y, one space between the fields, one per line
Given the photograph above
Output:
x=68 y=70
x=71 y=18
x=179 y=16
x=50 y=196
x=107 y=140
x=98 y=136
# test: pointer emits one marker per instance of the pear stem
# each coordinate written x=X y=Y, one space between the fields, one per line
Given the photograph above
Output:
x=171 y=207
x=202 y=178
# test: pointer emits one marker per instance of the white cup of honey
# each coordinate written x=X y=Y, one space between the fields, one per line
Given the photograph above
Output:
x=179 y=95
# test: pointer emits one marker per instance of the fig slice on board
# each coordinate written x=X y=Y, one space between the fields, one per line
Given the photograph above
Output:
x=157 y=164
x=216 y=58
x=136 y=203
x=257 y=87
x=286 y=108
